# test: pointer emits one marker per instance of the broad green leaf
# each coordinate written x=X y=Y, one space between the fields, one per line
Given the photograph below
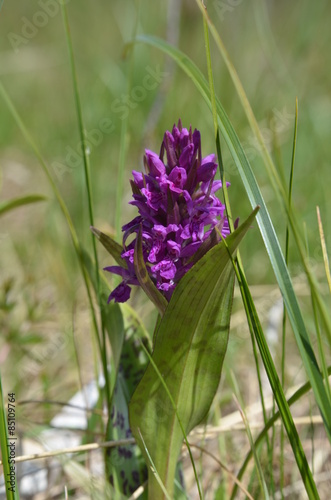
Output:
x=144 y=279
x=6 y=206
x=189 y=349
x=265 y=225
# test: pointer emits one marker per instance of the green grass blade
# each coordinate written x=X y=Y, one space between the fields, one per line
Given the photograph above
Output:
x=240 y=405
x=276 y=386
x=124 y=137
x=229 y=216
x=244 y=100
x=274 y=178
x=83 y=142
x=216 y=129
x=266 y=227
x=58 y=196
x=81 y=128
x=287 y=241
x=6 y=206
x=324 y=250
x=304 y=389
x=154 y=469
x=6 y=460
x=321 y=350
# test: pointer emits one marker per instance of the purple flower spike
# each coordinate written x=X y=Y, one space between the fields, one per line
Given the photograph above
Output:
x=178 y=210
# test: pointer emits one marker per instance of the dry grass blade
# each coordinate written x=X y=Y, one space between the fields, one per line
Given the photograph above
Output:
x=74 y=449
x=324 y=250
x=225 y=468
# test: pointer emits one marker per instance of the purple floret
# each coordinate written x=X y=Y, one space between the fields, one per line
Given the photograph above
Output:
x=177 y=208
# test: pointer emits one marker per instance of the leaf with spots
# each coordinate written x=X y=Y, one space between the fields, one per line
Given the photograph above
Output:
x=126 y=467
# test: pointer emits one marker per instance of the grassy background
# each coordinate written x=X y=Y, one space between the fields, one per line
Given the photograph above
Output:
x=280 y=49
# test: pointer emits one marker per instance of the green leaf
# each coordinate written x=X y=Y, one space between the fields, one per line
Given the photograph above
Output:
x=277 y=389
x=6 y=206
x=143 y=277
x=111 y=246
x=189 y=349
x=265 y=225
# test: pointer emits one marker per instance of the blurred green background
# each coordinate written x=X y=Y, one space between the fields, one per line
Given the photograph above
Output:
x=280 y=49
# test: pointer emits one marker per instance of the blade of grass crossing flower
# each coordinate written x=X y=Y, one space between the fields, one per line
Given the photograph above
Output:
x=6 y=206
x=266 y=227
x=143 y=277
x=285 y=413
x=189 y=349
x=111 y=246
x=11 y=490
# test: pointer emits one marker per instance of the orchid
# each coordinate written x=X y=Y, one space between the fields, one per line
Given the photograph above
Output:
x=178 y=210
